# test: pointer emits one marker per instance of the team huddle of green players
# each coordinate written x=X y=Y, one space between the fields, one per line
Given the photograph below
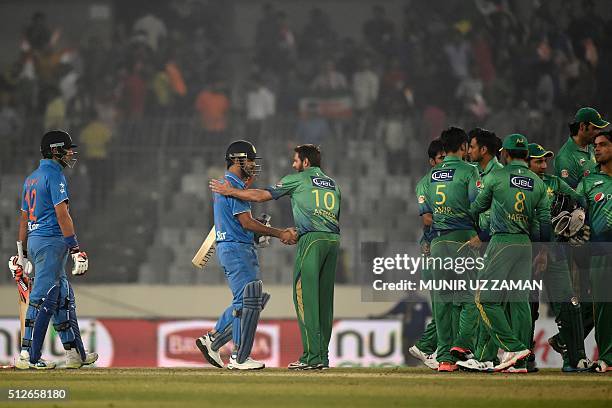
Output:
x=536 y=226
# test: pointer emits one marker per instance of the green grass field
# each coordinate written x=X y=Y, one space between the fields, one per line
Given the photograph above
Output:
x=400 y=387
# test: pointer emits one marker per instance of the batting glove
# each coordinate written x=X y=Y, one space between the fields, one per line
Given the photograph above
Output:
x=262 y=241
x=81 y=263
x=14 y=266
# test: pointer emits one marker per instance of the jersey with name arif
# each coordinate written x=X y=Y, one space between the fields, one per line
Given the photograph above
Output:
x=226 y=209
x=451 y=186
x=43 y=190
x=596 y=195
x=315 y=200
x=516 y=196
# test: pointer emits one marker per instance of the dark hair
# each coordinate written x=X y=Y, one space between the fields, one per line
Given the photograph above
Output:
x=310 y=152
x=434 y=148
x=453 y=138
x=574 y=127
x=518 y=154
x=487 y=139
x=607 y=133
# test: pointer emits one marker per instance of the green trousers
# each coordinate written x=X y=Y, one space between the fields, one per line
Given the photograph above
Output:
x=313 y=293
x=429 y=340
x=507 y=317
x=602 y=311
x=558 y=284
x=454 y=311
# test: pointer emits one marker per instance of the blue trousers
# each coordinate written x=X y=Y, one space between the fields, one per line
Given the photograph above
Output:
x=240 y=265
x=51 y=297
x=49 y=256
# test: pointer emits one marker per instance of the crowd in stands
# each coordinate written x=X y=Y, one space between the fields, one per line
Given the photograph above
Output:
x=499 y=64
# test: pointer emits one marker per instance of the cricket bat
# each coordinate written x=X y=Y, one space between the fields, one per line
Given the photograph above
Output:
x=206 y=251
x=24 y=288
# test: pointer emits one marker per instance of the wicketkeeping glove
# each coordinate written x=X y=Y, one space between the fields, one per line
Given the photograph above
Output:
x=576 y=222
x=14 y=266
x=561 y=223
x=582 y=236
x=262 y=241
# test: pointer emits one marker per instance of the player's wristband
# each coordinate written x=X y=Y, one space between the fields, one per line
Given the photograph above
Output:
x=71 y=241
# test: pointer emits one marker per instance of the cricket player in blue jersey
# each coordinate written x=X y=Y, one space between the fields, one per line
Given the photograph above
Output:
x=237 y=231
x=46 y=223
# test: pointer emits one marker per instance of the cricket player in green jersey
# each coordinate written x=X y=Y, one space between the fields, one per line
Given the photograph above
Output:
x=483 y=150
x=575 y=158
x=425 y=348
x=484 y=145
x=451 y=187
x=553 y=267
x=315 y=202
x=516 y=197
x=596 y=192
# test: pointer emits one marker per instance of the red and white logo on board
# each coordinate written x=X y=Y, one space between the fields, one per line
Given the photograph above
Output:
x=599 y=197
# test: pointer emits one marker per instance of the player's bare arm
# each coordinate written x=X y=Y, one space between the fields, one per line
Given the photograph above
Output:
x=251 y=194
x=287 y=235
x=81 y=262
x=64 y=219
x=427 y=219
x=22 y=234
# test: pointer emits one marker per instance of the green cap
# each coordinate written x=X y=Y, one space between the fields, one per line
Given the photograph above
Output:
x=536 y=151
x=515 y=141
x=590 y=115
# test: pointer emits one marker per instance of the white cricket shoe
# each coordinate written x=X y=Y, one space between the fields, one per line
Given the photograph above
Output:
x=73 y=358
x=602 y=367
x=428 y=359
x=90 y=358
x=475 y=365
x=249 y=364
x=24 y=361
x=204 y=343
x=511 y=357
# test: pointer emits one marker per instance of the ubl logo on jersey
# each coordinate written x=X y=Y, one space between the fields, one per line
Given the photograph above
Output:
x=524 y=183
x=443 y=175
x=323 y=183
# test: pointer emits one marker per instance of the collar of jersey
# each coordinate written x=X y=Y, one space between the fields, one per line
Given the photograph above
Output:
x=235 y=179
x=490 y=165
x=518 y=163
x=578 y=148
x=50 y=163
x=450 y=159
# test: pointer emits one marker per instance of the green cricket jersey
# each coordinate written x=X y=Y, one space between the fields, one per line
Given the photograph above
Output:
x=491 y=165
x=484 y=220
x=573 y=162
x=556 y=185
x=421 y=194
x=516 y=196
x=315 y=200
x=451 y=186
x=595 y=191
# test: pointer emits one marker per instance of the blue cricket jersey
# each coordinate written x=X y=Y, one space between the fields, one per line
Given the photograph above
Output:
x=226 y=208
x=45 y=188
